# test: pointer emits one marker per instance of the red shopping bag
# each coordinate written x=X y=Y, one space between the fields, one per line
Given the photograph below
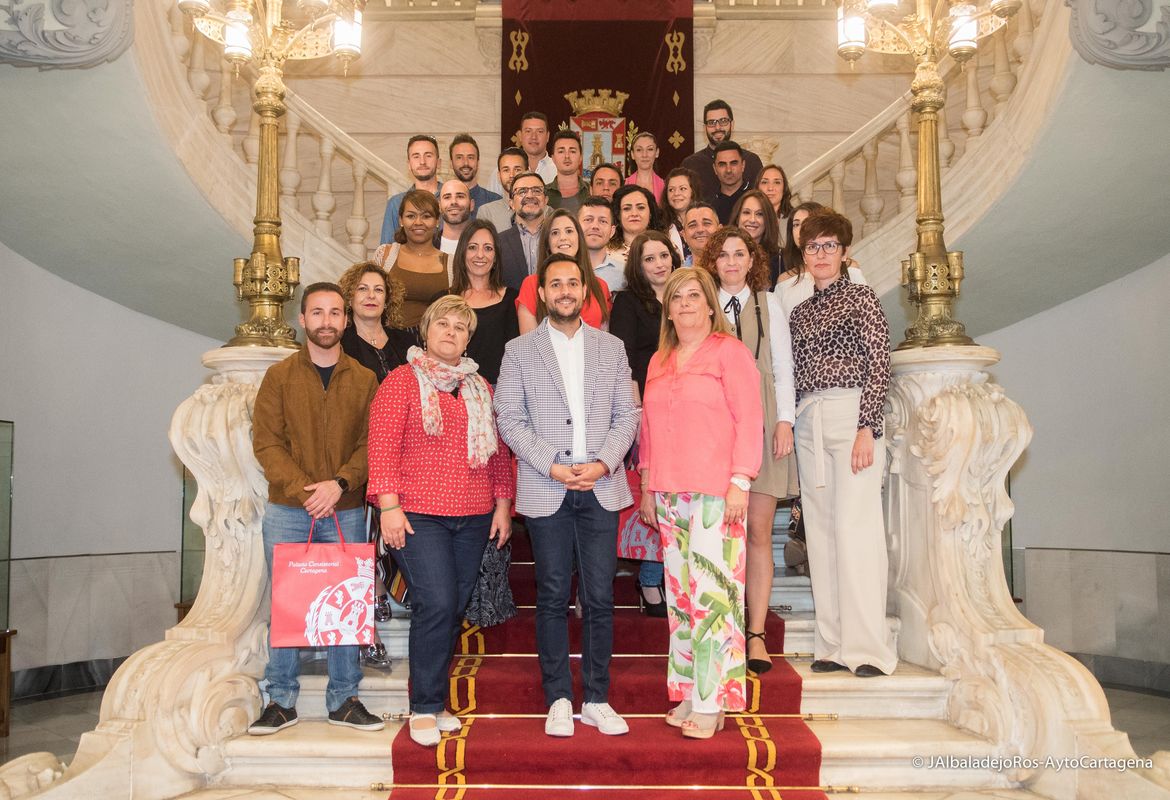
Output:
x=322 y=593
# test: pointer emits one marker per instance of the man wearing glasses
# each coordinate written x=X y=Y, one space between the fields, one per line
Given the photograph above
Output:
x=719 y=125
x=518 y=244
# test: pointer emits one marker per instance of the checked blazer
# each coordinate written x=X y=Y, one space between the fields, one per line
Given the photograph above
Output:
x=532 y=412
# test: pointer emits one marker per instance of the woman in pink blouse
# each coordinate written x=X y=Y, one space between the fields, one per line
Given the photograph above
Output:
x=444 y=485
x=695 y=489
x=841 y=355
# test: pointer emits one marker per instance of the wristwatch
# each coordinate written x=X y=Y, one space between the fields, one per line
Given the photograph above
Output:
x=741 y=483
x=343 y=483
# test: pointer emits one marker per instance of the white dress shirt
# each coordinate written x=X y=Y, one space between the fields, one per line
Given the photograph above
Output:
x=780 y=340
x=570 y=354
x=448 y=245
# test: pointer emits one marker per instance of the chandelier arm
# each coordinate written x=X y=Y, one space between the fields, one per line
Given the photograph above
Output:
x=897 y=29
x=303 y=32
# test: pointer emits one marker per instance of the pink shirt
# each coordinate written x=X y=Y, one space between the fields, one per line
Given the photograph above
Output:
x=703 y=423
x=659 y=184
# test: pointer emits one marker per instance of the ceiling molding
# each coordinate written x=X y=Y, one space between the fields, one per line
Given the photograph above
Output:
x=1106 y=32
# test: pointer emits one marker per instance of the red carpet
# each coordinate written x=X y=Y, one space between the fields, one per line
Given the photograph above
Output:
x=757 y=756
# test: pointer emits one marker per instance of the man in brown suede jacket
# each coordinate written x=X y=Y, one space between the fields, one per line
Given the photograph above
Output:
x=309 y=435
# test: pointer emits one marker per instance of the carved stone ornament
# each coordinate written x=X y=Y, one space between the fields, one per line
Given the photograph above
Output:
x=64 y=33
x=1106 y=32
x=953 y=436
x=169 y=709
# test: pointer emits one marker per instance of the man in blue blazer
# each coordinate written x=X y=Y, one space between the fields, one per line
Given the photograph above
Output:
x=565 y=406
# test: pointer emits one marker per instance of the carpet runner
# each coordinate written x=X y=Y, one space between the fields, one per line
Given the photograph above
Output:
x=495 y=685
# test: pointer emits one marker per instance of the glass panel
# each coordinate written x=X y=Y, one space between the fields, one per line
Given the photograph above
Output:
x=193 y=544
x=6 y=484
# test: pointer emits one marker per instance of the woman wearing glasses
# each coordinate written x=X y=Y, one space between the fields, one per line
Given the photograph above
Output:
x=841 y=353
x=795 y=284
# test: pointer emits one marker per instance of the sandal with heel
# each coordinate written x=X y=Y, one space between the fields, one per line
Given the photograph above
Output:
x=758 y=665
x=678 y=715
x=702 y=726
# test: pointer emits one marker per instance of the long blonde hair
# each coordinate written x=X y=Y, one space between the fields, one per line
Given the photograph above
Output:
x=667 y=335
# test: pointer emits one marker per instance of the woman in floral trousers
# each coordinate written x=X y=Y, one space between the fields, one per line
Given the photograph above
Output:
x=700 y=447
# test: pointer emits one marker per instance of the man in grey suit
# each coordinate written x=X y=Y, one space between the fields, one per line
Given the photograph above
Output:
x=518 y=244
x=565 y=406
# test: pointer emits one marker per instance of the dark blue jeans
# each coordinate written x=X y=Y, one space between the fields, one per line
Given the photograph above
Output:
x=580 y=528
x=441 y=564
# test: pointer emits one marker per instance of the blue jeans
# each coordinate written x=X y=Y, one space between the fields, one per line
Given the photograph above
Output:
x=580 y=528
x=650 y=573
x=440 y=562
x=288 y=524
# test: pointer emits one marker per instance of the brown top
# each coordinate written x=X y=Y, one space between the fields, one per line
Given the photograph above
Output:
x=422 y=288
x=303 y=433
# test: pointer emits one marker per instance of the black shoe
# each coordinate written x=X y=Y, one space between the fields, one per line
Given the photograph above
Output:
x=274 y=718
x=353 y=714
x=652 y=609
x=375 y=655
x=382 y=610
x=867 y=671
x=758 y=665
x=821 y=665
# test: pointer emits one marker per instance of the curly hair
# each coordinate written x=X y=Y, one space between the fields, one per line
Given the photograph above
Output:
x=395 y=292
x=757 y=277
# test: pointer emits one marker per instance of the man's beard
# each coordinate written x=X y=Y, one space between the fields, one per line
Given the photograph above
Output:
x=465 y=214
x=528 y=215
x=425 y=176
x=556 y=316
x=466 y=173
x=712 y=141
x=324 y=342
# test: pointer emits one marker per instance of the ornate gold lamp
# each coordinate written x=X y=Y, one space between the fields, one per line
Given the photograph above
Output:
x=260 y=32
x=925 y=31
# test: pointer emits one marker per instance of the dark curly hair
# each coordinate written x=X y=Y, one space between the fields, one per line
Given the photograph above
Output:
x=395 y=292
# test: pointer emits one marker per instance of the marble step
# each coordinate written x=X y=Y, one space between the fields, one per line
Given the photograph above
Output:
x=912 y=692
x=878 y=754
x=798 y=631
x=791 y=594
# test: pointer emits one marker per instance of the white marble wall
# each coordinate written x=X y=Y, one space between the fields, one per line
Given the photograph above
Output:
x=80 y=608
x=1100 y=602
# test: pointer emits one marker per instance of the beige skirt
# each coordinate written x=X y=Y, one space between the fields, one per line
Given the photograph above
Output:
x=777 y=476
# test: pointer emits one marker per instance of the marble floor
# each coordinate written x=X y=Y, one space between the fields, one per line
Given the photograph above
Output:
x=56 y=725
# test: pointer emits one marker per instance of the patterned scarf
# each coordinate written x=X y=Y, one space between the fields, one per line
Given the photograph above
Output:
x=433 y=374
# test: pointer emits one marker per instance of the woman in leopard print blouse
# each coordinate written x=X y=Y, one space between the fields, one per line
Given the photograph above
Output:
x=841 y=355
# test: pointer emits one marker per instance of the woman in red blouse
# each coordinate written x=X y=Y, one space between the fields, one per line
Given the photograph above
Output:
x=695 y=489
x=444 y=483
x=841 y=355
x=561 y=233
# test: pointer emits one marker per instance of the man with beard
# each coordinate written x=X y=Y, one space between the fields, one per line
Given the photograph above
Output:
x=719 y=124
x=565 y=405
x=699 y=222
x=518 y=244
x=510 y=163
x=464 y=155
x=422 y=158
x=729 y=167
x=455 y=209
x=309 y=435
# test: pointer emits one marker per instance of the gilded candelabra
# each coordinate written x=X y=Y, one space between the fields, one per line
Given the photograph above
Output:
x=932 y=274
x=259 y=32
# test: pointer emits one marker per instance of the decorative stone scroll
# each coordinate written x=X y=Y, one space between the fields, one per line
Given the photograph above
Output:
x=1108 y=32
x=170 y=708
x=64 y=33
x=953 y=438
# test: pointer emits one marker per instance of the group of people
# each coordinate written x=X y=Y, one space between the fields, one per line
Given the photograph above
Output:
x=695 y=326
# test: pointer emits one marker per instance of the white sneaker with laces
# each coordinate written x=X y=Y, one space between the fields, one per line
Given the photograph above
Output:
x=560 y=718
x=604 y=718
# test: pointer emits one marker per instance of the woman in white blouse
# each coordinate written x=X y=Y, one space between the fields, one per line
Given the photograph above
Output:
x=740 y=267
x=795 y=284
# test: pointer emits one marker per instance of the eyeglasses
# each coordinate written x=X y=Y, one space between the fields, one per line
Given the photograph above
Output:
x=523 y=190
x=722 y=122
x=812 y=248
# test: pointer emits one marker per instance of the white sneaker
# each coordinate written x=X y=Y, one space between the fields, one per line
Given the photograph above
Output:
x=448 y=722
x=560 y=718
x=604 y=718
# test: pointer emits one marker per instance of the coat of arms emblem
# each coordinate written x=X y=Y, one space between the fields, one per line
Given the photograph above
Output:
x=597 y=117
